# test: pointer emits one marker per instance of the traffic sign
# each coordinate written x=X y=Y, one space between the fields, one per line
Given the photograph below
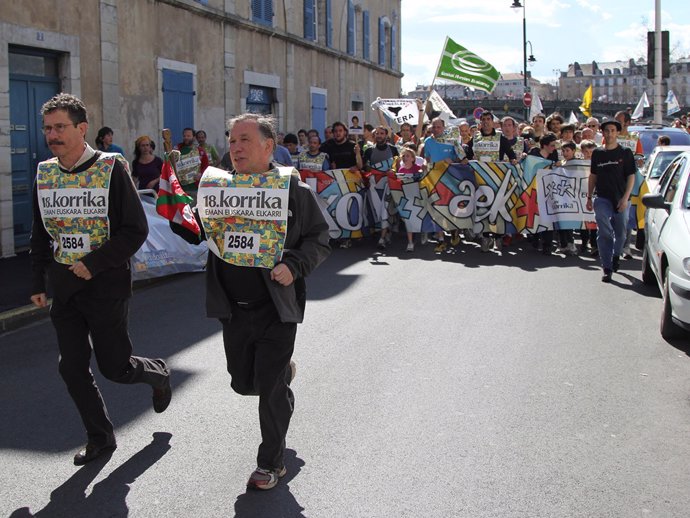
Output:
x=477 y=112
x=527 y=99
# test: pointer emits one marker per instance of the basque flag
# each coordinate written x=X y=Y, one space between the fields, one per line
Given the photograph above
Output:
x=173 y=202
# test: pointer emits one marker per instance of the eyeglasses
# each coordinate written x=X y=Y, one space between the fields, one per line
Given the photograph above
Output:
x=59 y=128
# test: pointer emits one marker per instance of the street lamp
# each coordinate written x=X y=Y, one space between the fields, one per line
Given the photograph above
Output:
x=518 y=5
x=557 y=71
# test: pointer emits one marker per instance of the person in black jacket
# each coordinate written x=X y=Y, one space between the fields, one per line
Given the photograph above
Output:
x=259 y=308
x=88 y=222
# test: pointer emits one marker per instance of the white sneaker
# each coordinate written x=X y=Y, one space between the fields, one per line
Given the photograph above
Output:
x=424 y=238
x=410 y=247
x=381 y=244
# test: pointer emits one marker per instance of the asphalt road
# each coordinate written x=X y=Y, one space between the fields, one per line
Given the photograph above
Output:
x=468 y=385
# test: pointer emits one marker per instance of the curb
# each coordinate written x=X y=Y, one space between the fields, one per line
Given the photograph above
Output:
x=24 y=315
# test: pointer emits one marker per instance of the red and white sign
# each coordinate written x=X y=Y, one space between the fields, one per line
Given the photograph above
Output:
x=527 y=99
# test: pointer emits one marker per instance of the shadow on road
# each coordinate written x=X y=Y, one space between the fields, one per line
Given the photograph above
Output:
x=278 y=501
x=39 y=414
x=108 y=497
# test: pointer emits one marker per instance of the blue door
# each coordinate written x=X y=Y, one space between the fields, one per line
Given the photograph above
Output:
x=27 y=145
x=318 y=112
x=178 y=102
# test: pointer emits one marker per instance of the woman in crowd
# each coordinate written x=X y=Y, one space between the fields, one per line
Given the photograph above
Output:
x=104 y=141
x=146 y=167
x=408 y=168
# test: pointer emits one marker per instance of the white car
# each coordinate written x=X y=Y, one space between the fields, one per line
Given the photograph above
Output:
x=666 y=256
x=658 y=161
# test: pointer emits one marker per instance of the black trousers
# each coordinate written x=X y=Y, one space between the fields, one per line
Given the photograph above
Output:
x=105 y=321
x=258 y=348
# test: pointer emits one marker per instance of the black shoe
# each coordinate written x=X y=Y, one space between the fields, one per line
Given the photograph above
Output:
x=92 y=451
x=616 y=264
x=607 y=275
x=162 y=396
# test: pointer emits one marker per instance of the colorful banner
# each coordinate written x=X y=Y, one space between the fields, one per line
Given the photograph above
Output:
x=411 y=203
x=341 y=195
x=449 y=193
x=378 y=198
x=495 y=197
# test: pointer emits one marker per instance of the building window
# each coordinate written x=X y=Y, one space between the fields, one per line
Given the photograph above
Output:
x=351 y=27
x=366 y=54
x=260 y=99
x=262 y=12
x=329 y=24
x=310 y=19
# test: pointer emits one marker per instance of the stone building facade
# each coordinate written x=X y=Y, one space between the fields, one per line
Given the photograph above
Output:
x=142 y=65
x=622 y=81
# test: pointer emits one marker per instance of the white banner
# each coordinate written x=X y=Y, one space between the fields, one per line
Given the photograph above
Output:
x=398 y=110
x=562 y=193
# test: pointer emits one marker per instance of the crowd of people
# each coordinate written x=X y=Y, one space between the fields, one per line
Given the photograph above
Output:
x=414 y=150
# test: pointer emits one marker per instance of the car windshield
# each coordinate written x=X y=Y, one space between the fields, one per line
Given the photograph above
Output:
x=661 y=162
x=649 y=138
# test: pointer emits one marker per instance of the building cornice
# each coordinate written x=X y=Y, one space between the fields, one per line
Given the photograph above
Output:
x=274 y=32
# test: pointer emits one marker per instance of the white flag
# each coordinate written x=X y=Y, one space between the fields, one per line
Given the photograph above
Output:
x=439 y=105
x=641 y=105
x=536 y=108
x=573 y=119
x=672 y=103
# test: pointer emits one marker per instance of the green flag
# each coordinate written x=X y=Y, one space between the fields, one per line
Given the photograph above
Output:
x=462 y=66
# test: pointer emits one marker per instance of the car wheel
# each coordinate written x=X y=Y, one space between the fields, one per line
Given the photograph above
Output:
x=669 y=330
x=647 y=272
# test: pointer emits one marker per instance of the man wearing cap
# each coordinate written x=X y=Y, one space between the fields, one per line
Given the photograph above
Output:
x=612 y=177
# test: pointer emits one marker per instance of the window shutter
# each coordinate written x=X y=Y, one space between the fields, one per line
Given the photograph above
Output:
x=365 y=32
x=329 y=24
x=382 y=42
x=309 y=19
x=350 y=27
x=393 y=49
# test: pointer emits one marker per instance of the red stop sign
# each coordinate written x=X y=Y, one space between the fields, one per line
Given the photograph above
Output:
x=527 y=99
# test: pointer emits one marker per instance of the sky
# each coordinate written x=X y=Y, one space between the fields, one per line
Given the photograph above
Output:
x=560 y=31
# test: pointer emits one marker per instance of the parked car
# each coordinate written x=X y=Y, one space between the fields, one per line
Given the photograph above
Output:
x=666 y=255
x=658 y=161
x=650 y=134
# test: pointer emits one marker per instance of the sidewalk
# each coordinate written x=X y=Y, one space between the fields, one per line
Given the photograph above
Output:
x=16 y=309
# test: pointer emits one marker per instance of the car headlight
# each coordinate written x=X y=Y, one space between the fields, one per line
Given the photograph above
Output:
x=686 y=265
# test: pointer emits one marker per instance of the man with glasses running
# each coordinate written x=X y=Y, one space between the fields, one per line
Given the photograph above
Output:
x=88 y=222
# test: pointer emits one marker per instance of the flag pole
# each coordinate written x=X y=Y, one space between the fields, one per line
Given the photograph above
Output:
x=438 y=67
